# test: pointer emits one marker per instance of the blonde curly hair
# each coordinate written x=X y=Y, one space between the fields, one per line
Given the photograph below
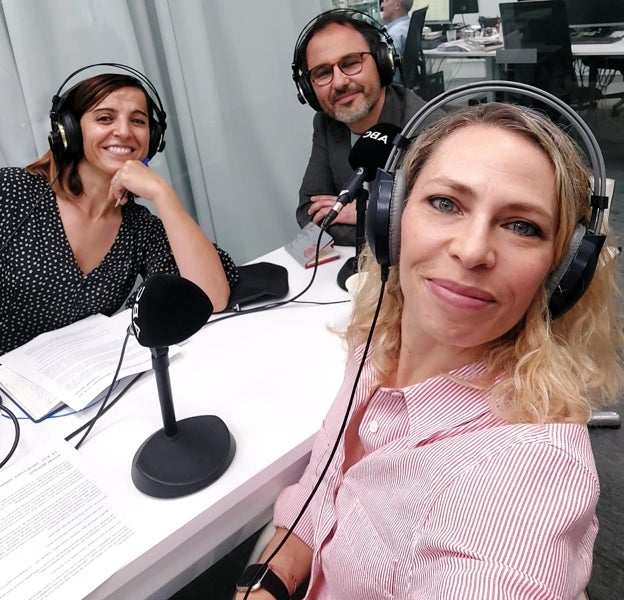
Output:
x=543 y=370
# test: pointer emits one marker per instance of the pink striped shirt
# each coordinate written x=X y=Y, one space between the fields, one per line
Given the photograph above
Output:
x=448 y=500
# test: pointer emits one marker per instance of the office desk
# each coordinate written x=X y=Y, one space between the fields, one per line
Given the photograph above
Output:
x=597 y=57
x=615 y=49
x=271 y=377
x=488 y=55
x=455 y=54
x=612 y=49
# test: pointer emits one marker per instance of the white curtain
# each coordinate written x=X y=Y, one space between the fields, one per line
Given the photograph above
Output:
x=237 y=138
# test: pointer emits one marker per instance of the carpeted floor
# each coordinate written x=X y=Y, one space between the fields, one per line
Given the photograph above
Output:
x=607 y=582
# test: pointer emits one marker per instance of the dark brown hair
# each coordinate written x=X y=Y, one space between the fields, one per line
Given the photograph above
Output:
x=77 y=101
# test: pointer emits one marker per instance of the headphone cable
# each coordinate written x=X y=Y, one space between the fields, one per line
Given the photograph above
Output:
x=341 y=431
x=108 y=407
x=294 y=299
x=16 y=427
x=101 y=409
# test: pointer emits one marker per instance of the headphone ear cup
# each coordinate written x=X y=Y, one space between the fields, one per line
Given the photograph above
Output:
x=73 y=134
x=397 y=203
x=156 y=141
x=570 y=279
x=65 y=137
x=383 y=216
x=55 y=139
x=387 y=62
x=306 y=92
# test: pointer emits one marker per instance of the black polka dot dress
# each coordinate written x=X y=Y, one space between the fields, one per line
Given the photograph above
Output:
x=41 y=285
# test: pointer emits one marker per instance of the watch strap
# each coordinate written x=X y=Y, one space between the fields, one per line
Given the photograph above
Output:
x=263 y=575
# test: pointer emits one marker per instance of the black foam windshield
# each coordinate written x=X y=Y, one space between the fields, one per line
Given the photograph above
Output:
x=168 y=310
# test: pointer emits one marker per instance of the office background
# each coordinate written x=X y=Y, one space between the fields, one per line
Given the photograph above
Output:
x=237 y=139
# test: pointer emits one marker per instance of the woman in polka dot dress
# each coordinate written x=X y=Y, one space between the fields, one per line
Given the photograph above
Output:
x=72 y=239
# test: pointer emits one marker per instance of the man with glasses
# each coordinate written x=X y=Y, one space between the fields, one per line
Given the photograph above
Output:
x=343 y=66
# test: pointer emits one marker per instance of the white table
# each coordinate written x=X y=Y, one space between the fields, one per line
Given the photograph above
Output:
x=271 y=377
x=488 y=55
x=613 y=49
x=599 y=51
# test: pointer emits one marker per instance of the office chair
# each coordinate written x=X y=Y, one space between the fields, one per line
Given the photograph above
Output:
x=537 y=47
x=598 y=63
x=414 y=68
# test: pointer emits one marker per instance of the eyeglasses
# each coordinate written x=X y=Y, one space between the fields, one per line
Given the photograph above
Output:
x=351 y=64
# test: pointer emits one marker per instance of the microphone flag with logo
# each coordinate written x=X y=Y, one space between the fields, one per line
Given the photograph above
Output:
x=369 y=153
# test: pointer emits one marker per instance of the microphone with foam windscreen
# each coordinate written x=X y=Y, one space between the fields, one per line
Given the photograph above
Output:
x=368 y=154
x=168 y=310
x=188 y=455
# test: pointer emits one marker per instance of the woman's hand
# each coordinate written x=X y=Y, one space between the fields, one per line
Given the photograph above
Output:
x=291 y=564
x=135 y=177
x=194 y=254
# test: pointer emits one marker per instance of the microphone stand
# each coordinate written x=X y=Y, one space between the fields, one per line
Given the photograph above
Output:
x=360 y=223
x=351 y=265
x=160 y=364
x=184 y=456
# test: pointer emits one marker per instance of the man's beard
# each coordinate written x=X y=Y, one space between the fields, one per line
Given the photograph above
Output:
x=359 y=109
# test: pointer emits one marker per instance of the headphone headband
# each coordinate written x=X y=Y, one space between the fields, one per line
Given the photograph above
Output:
x=385 y=56
x=352 y=13
x=136 y=73
x=418 y=121
x=65 y=136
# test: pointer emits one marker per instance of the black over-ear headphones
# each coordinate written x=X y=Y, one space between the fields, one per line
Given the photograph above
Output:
x=65 y=135
x=388 y=195
x=382 y=47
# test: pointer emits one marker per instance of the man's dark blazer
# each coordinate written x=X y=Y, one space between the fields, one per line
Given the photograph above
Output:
x=329 y=169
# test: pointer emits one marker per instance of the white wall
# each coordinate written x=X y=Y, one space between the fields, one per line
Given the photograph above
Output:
x=238 y=140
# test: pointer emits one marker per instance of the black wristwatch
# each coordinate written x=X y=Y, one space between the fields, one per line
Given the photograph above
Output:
x=260 y=576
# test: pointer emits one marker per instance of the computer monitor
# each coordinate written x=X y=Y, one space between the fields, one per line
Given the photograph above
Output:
x=541 y=26
x=464 y=7
x=439 y=12
x=587 y=14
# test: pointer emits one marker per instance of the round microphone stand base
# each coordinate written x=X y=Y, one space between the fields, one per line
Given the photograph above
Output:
x=349 y=268
x=194 y=457
x=351 y=265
